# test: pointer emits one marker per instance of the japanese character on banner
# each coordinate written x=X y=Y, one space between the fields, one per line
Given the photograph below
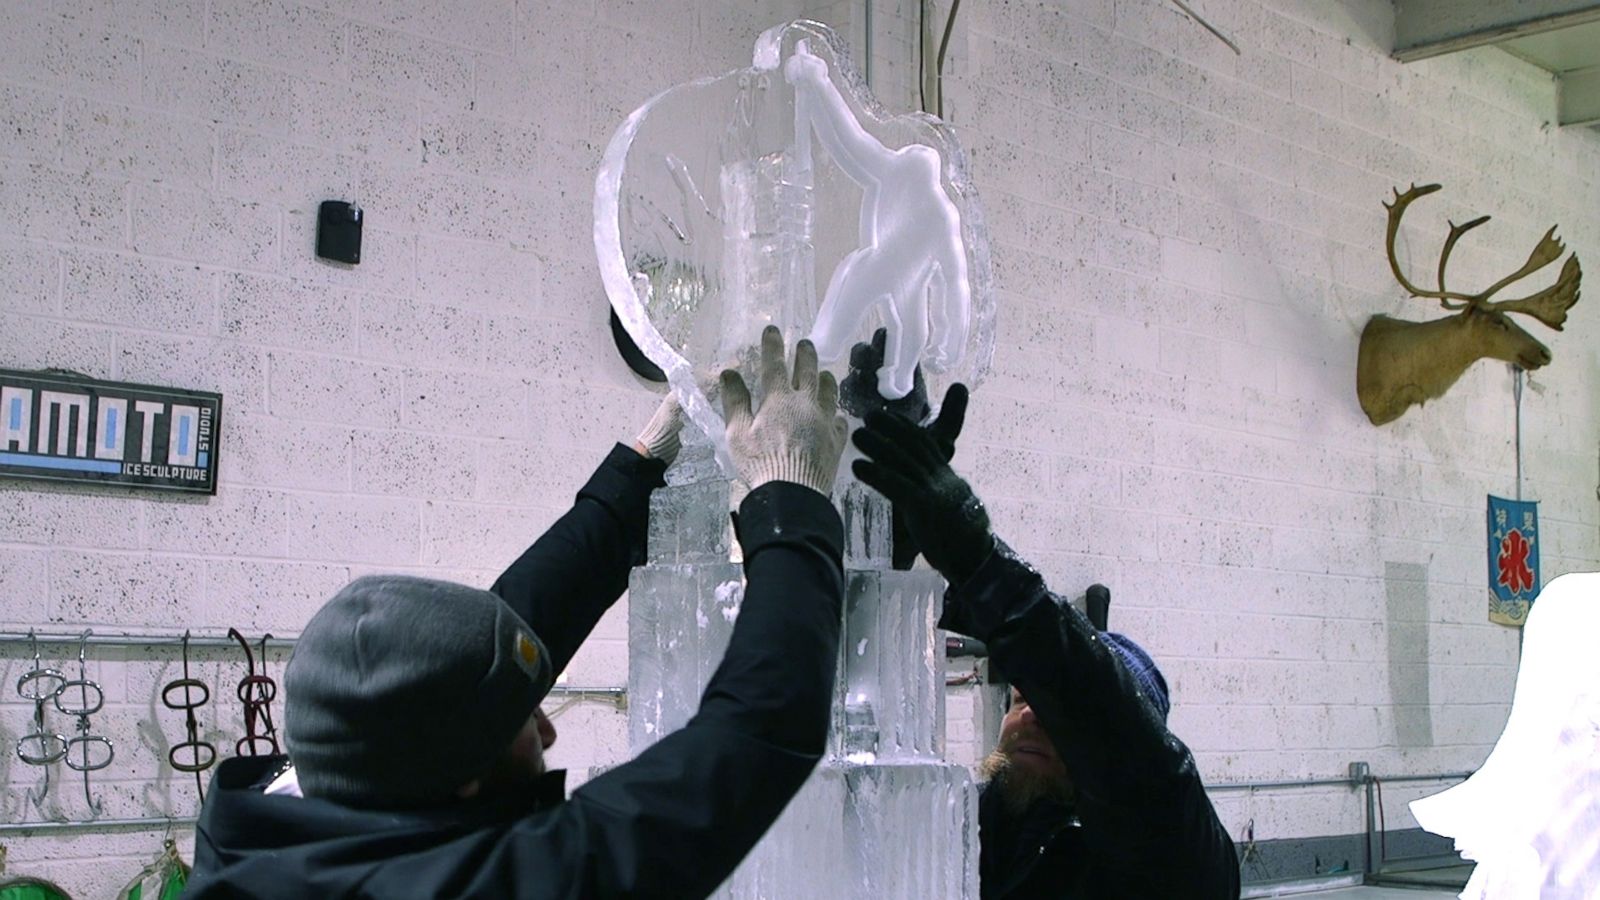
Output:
x=1513 y=559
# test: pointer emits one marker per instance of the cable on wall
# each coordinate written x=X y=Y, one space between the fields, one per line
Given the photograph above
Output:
x=934 y=79
x=1207 y=26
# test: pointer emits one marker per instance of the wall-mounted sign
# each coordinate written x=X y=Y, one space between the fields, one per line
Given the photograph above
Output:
x=1513 y=559
x=62 y=427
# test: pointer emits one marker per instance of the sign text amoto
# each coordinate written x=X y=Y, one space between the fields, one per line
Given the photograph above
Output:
x=62 y=427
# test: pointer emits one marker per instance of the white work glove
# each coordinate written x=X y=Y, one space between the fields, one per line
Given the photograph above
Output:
x=659 y=439
x=798 y=434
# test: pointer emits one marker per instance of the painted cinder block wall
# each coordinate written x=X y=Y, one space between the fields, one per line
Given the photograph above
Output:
x=1186 y=244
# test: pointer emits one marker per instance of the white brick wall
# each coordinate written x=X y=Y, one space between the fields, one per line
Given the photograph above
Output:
x=1186 y=246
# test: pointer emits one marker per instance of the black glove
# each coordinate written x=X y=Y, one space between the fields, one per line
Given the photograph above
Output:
x=944 y=430
x=858 y=393
x=859 y=396
x=908 y=465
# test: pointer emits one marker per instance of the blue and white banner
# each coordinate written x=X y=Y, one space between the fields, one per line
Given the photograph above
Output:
x=1513 y=559
x=62 y=427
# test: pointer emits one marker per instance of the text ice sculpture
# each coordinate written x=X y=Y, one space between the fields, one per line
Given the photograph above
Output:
x=1530 y=815
x=723 y=203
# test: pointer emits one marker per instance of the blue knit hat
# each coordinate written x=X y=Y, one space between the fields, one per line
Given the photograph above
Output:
x=1143 y=668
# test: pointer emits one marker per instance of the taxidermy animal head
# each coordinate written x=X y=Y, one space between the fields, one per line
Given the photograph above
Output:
x=1403 y=363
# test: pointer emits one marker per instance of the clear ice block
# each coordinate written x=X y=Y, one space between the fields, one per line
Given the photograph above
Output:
x=883 y=816
x=680 y=618
x=869 y=831
x=868 y=525
x=892 y=703
x=689 y=523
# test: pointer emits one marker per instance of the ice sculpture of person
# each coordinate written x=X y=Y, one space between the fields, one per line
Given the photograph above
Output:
x=911 y=264
x=1530 y=816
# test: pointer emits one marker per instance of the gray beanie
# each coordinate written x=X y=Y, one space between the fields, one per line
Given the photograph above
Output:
x=401 y=690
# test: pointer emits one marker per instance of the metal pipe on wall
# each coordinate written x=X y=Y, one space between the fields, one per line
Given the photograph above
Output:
x=148 y=640
x=1321 y=782
x=137 y=640
x=1270 y=785
x=149 y=824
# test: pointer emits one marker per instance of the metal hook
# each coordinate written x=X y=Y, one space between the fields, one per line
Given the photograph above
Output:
x=85 y=741
x=256 y=692
x=83 y=720
x=52 y=678
x=40 y=747
x=39 y=798
x=203 y=753
x=249 y=659
x=266 y=708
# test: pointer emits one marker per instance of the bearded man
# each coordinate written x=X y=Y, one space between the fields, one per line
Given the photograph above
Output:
x=1088 y=795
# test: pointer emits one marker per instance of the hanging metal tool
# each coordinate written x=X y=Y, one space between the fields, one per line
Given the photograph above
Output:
x=201 y=755
x=40 y=747
x=86 y=752
x=256 y=692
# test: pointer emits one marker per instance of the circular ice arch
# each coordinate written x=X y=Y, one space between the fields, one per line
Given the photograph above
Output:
x=784 y=194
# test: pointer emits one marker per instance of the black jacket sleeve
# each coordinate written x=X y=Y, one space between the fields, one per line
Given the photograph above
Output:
x=1148 y=825
x=565 y=582
x=677 y=820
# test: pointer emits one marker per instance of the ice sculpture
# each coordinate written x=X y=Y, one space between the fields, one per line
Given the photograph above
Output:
x=1530 y=816
x=911 y=264
x=721 y=204
x=883 y=816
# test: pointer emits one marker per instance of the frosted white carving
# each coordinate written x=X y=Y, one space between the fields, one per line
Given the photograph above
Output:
x=911 y=263
x=1529 y=815
x=715 y=215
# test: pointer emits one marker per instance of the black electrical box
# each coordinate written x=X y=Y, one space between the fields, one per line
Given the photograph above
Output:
x=339 y=231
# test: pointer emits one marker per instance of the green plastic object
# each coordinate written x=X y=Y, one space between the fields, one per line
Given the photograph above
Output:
x=24 y=888
x=165 y=878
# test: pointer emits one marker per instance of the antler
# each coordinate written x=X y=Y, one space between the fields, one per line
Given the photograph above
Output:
x=1548 y=306
x=1456 y=231
x=1551 y=304
x=1398 y=209
x=1548 y=250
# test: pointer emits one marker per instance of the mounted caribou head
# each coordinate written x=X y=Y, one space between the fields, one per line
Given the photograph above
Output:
x=1403 y=363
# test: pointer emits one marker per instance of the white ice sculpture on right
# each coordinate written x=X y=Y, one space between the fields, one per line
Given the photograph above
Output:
x=1530 y=816
x=911 y=265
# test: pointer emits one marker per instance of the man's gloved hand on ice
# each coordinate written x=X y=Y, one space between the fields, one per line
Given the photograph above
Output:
x=797 y=435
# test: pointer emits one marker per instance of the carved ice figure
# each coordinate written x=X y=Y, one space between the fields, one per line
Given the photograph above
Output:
x=1530 y=815
x=911 y=262
x=714 y=218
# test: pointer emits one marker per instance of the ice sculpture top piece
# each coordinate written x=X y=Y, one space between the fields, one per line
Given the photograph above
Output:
x=716 y=215
x=1528 y=816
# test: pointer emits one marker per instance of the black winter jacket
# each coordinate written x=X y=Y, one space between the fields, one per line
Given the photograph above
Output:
x=672 y=823
x=1142 y=825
